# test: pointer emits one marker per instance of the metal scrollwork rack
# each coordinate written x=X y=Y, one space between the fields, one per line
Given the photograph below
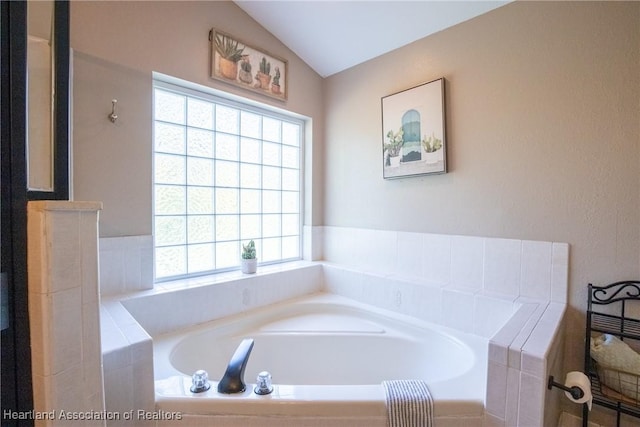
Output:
x=608 y=313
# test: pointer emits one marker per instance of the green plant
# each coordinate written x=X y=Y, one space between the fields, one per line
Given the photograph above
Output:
x=265 y=66
x=431 y=144
x=276 y=78
x=228 y=48
x=249 y=250
x=396 y=140
x=245 y=65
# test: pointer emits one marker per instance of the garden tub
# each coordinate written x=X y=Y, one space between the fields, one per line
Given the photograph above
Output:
x=328 y=356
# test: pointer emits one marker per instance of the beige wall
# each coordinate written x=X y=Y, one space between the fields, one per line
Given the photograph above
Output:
x=117 y=46
x=543 y=127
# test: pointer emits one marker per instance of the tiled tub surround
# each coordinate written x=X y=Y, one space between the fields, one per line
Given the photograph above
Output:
x=466 y=283
x=469 y=283
x=126 y=332
x=126 y=264
x=63 y=311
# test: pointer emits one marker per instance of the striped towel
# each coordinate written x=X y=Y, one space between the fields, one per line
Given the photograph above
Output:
x=409 y=403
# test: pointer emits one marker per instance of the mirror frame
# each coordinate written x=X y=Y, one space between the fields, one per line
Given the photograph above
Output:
x=60 y=161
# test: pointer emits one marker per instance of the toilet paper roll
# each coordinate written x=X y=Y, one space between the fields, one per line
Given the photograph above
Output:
x=580 y=380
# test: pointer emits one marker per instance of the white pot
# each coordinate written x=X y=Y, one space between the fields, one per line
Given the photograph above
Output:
x=394 y=161
x=433 y=157
x=249 y=266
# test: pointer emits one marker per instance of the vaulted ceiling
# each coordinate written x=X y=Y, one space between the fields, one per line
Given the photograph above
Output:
x=331 y=36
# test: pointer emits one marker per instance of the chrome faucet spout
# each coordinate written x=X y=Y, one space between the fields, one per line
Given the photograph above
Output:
x=233 y=379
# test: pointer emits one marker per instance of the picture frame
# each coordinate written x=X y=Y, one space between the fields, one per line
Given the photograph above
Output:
x=413 y=131
x=240 y=64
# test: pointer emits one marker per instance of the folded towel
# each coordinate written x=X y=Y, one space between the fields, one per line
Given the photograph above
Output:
x=613 y=355
x=409 y=403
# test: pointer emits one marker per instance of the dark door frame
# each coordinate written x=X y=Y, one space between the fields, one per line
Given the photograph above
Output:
x=17 y=390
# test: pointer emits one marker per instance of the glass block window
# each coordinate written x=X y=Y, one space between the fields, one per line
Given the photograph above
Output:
x=224 y=174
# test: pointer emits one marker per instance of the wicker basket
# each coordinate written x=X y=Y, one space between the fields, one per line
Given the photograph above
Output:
x=617 y=384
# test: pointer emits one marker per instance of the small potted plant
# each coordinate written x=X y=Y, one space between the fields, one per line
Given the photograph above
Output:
x=264 y=75
x=431 y=146
x=230 y=53
x=275 y=84
x=249 y=260
x=392 y=148
x=245 y=70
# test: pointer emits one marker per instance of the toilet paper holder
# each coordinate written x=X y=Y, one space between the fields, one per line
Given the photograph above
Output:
x=576 y=392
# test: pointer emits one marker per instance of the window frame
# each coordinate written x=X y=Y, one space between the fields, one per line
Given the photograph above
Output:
x=192 y=90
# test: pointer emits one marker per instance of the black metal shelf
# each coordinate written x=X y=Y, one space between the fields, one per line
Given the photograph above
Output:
x=617 y=295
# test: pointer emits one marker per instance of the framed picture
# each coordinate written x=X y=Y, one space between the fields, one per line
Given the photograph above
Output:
x=413 y=131
x=240 y=64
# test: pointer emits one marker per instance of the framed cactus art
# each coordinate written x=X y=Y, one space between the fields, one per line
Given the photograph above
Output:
x=413 y=131
x=235 y=62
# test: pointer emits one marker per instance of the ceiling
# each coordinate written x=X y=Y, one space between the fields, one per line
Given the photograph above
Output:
x=331 y=36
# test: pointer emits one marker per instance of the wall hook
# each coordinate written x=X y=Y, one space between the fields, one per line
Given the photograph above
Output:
x=113 y=116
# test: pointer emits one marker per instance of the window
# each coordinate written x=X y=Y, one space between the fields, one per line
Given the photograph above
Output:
x=224 y=174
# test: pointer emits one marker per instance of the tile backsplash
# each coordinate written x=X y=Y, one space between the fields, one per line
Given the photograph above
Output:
x=506 y=267
x=126 y=264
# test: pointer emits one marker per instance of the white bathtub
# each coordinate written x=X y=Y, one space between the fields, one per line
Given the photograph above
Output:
x=327 y=355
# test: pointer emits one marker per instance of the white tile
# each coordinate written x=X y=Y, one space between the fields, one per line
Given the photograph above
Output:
x=493 y=421
x=467 y=254
x=67 y=389
x=426 y=303
x=119 y=314
x=143 y=386
x=498 y=352
x=340 y=244
x=377 y=290
x=502 y=266
x=503 y=339
x=91 y=335
x=378 y=253
x=116 y=359
x=531 y=407
x=535 y=279
x=92 y=382
x=131 y=268
x=457 y=310
x=66 y=332
x=110 y=243
x=36 y=253
x=111 y=337
x=546 y=331
x=343 y=282
x=118 y=389
x=89 y=270
x=513 y=391
x=63 y=250
x=63 y=228
x=496 y=389
x=409 y=255
x=111 y=271
x=40 y=328
x=436 y=258
x=146 y=268
x=515 y=349
x=42 y=393
x=490 y=314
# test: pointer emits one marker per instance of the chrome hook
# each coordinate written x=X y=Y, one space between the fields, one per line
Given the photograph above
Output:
x=113 y=116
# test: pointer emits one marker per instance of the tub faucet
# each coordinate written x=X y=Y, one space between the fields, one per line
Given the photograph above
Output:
x=233 y=379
